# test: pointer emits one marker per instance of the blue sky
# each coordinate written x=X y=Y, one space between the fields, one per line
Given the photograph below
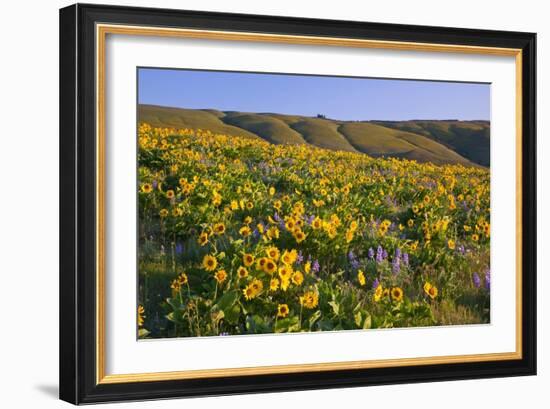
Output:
x=336 y=97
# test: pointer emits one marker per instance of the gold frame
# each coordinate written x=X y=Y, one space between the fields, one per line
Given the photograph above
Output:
x=102 y=30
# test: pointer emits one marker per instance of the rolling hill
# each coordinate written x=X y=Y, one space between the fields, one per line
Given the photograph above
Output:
x=439 y=142
x=470 y=139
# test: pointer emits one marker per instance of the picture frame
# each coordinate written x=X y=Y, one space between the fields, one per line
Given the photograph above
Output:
x=84 y=281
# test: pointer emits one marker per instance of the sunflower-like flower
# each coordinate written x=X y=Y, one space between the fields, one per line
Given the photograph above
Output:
x=253 y=289
x=273 y=232
x=299 y=235
x=397 y=294
x=245 y=231
x=378 y=293
x=273 y=253
x=430 y=290
x=317 y=223
x=140 y=315
x=270 y=266
x=260 y=263
x=220 y=276
x=289 y=257
x=282 y=310
x=297 y=278
x=274 y=284
x=209 y=262
x=285 y=272
x=203 y=239
x=242 y=272
x=451 y=244
x=248 y=259
x=146 y=188
x=361 y=277
x=309 y=300
x=219 y=228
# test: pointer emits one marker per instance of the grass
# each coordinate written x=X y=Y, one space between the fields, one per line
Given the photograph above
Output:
x=189 y=118
x=323 y=134
x=271 y=129
x=470 y=139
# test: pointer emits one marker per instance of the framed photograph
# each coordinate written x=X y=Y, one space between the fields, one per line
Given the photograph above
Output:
x=258 y=203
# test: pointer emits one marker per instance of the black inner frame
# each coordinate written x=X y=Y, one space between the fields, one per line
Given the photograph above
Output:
x=78 y=198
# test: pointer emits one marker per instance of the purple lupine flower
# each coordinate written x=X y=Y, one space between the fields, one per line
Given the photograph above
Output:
x=375 y=283
x=371 y=253
x=300 y=258
x=315 y=267
x=277 y=218
x=461 y=249
x=155 y=184
x=379 y=254
x=406 y=259
x=255 y=233
x=397 y=252
x=476 y=280
x=488 y=280
x=353 y=260
x=396 y=266
x=385 y=254
x=179 y=248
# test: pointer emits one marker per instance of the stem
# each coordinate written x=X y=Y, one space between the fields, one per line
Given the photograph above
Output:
x=174 y=254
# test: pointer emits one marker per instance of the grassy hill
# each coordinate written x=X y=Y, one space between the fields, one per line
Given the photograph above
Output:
x=470 y=139
x=439 y=142
x=377 y=140
x=189 y=118
x=271 y=129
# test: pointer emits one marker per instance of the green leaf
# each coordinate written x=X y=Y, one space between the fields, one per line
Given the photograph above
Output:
x=142 y=333
x=227 y=300
x=367 y=324
x=291 y=324
x=313 y=319
x=232 y=314
x=218 y=316
x=250 y=324
x=358 y=318
x=335 y=307
x=174 y=303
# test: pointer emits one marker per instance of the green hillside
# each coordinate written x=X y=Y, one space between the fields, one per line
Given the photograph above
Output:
x=189 y=118
x=271 y=129
x=470 y=139
x=322 y=133
x=439 y=142
x=377 y=140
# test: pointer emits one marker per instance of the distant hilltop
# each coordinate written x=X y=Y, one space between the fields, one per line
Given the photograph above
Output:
x=449 y=141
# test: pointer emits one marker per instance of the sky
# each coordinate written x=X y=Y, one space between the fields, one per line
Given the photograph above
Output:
x=341 y=98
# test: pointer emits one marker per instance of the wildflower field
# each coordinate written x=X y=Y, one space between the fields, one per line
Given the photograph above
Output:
x=240 y=236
